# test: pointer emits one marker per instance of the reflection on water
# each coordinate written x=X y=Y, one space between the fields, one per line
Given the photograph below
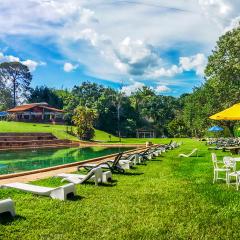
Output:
x=13 y=161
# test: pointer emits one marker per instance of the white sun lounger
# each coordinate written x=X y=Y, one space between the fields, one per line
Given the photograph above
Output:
x=7 y=205
x=190 y=154
x=132 y=159
x=95 y=174
x=55 y=193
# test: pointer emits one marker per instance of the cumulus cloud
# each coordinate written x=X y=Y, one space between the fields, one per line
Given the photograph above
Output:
x=163 y=72
x=221 y=12
x=196 y=63
x=32 y=65
x=135 y=56
x=89 y=35
x=235 y=23
x=162 y=89
x=128 y=90
x=69 y=67
x=87 y=16
x=90 y=32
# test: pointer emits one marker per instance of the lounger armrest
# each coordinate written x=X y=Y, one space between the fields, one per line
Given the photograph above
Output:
x=7 y=205
x=62 y=192
x=109 y=163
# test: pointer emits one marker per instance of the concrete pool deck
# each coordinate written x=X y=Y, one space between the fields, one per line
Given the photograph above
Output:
x=52 y=171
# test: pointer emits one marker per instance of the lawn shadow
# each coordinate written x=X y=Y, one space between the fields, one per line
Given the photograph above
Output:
x=156 y=160
x=74 y=198
x=132 y=174
x=110 y=184
x=6 y=218
x=133 y=167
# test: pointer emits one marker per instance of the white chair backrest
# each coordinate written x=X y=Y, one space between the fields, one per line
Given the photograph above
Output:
x=132 y=157
x=214 y=160
x=229 y=162
x=193 y=151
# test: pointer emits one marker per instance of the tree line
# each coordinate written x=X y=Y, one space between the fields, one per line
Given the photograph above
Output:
x=116 y=113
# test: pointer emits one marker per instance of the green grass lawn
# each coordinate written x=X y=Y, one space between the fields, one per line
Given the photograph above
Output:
x=170 y=198
x=60 y=132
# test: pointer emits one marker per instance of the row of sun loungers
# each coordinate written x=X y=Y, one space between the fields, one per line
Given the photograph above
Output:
x=99 y=173
x=220 y=143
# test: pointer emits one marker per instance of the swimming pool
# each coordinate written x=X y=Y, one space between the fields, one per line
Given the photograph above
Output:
x=14 y=161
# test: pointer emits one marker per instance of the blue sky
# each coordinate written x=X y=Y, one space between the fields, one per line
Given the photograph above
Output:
x=123 y=44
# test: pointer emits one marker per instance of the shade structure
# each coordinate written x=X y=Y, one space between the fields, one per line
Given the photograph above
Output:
x=232 y=113
x=3 y=114
x=215 y=129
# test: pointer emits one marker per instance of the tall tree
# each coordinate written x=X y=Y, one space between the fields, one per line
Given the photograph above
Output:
x=18 y=77
x=45 y=94
x=5 y=97
x=88 y=93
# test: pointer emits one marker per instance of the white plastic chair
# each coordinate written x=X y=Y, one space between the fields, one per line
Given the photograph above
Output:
x=195 y=150
x=231 y=164
x=95 y=174
x=217 y=169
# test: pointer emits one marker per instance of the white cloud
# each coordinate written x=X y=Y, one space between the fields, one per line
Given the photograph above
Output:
x=126 y=40
x=32 y=65
x=135 y=56
x=163 y=72
x=69 y=67
x=89 y=35
x=162 y=89
x=87 y=16
x=234 y=24
x=222 y=12
x=128 y=90
x=196 y=63
x=218 y=7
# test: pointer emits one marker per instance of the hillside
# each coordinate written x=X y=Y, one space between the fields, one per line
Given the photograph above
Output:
x=58 y=130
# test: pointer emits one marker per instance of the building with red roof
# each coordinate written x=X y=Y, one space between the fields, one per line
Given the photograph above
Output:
x=37 y=112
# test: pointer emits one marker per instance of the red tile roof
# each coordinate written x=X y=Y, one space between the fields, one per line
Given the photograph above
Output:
x=32 y=105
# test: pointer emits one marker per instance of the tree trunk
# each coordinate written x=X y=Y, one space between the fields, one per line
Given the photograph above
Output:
x=14 y=93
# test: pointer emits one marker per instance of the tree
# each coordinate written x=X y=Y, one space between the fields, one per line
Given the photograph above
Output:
x=18 y=77
x=83 y=119
x=220 y=90
x=45 y=94
x=5 y=97
x=87 y=93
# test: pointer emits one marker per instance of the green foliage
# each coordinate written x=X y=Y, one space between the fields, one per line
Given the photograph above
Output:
x=219 y=91
x=177 y=128
x=155 y=110
x=6 y=100
x=169 y=198
x=19 y=77
x=45 y=94
x=83 y=119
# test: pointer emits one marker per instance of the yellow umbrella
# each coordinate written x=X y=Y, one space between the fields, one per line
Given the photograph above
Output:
x=232 y=113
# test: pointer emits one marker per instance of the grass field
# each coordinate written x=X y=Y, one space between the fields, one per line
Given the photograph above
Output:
x=60 y=132
x=169 y=198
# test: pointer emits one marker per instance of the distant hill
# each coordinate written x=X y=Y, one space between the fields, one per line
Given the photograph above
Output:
x=58 y=130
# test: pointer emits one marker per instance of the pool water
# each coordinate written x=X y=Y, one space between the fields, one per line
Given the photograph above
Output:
x=14 y=161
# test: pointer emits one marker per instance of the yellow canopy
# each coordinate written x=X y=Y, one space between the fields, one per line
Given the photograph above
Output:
x=232 y=113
